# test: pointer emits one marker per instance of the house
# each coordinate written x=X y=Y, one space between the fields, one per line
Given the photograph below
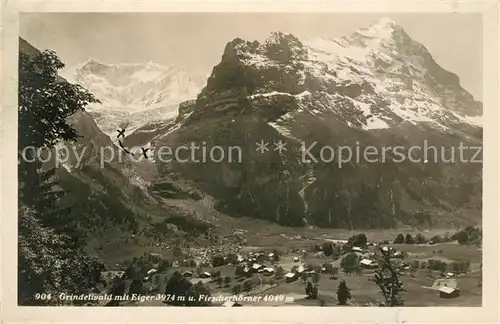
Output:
x=300 y=269
x=449 y=292
x=291 y=277
x=271 y=255
x=241 y=258
x=112 y=274
x=386 y=248
x=337 y=241
x=296 y=259
x=257 y=267
x=205 y=275
x=368 y=264
x=268 y=271
x=357 y=249
x=398 y=254
x=438 y=283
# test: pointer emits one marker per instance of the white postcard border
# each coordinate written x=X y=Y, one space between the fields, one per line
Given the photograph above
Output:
x=488 y=313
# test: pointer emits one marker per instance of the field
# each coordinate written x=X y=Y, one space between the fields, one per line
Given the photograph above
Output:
x=268 y=290
x=247 y=237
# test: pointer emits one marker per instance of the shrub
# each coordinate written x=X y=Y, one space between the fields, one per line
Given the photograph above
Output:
x=247 y=285
x=238 y=271
x=437 y=265
x=136 y=287
x=215 y=274
x=276 y=255
x=343 y=293
x=409 y=239
x=350 y=263
x=400 y=239
x=279 y=272
x=436 y=239
x=218 y=260
x=311 y=290
x=237 y=289
x=327 y=248
x=359 y=240
x=177 y=252
x=232 y=258
x=468 y=235
x=420 y=239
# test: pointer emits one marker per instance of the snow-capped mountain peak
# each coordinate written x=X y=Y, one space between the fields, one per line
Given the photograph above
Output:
x=378 y=75
x=383 y=29
x=133 y=94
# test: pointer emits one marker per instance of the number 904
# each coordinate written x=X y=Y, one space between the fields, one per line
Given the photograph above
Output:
x=39 y=296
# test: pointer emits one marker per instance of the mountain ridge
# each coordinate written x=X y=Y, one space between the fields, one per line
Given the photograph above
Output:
x=299 y=91
x=287 y=89
x=133 y=94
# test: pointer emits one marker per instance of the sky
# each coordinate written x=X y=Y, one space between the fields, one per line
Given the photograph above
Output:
x=197 y=40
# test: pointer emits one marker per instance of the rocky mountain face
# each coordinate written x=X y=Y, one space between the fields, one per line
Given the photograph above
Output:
x=134 y=94
x=111 y=200
x=374 y=88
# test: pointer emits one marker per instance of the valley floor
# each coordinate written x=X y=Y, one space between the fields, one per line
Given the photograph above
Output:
x=277 y=292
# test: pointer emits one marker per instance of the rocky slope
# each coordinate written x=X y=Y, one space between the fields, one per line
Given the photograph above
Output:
x=112 y=201
x=375 y=87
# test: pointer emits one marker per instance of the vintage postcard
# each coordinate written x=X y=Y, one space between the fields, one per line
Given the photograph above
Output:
x=172 y=161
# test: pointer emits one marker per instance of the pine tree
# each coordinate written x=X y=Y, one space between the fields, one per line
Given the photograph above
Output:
x=315 y=289
x=400 y=239
x=409 y=239
x=309 y=289
x=387 y=279
x=197 y=295
x=343 y=293
x=136 y=287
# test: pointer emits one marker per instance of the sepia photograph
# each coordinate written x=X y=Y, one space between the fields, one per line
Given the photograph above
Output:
x=245 y=159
